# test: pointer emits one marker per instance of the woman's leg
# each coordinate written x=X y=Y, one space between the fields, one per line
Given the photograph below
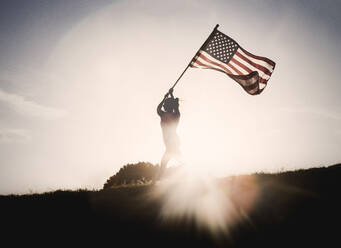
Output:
x=164 y=161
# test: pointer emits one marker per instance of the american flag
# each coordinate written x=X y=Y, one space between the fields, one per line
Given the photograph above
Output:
x=222 y=53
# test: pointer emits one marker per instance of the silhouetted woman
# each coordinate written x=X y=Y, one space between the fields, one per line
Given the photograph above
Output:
x=169 y=121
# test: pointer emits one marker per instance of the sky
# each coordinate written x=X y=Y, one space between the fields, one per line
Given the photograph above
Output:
x=80 y=81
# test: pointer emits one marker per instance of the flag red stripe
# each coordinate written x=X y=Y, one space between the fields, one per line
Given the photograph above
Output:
x=208 y=66
x=259 y=67
x=221 y=66
x=235 y=69
x=258 y=57
x=241 y=65
x=249 y=88
x=262 y=80
x=214 y=63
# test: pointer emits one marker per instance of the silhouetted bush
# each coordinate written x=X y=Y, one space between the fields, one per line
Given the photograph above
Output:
x=138 y=173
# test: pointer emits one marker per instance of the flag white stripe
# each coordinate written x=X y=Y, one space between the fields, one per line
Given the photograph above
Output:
x=207 y=65
x=260 y=72
x=218 y=62
x=257 y=61
x=239 y=68
x=212 y=65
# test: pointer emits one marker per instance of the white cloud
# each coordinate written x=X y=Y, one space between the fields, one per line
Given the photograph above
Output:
x=14 y=136
x=31 y=108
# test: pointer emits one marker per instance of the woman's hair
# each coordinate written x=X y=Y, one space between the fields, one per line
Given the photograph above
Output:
x=170 y=104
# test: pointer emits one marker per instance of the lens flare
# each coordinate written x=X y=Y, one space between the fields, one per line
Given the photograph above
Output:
x=213 y=204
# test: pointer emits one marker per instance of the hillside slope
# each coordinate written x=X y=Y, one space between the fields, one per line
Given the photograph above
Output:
x=292 y=209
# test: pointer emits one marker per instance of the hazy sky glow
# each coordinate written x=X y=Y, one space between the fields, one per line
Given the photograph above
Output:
x=80 y=82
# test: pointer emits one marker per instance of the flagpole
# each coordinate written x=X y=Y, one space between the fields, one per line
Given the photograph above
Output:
x=203 y=45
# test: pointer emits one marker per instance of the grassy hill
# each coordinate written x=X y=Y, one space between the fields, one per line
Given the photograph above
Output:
x=291 y=209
